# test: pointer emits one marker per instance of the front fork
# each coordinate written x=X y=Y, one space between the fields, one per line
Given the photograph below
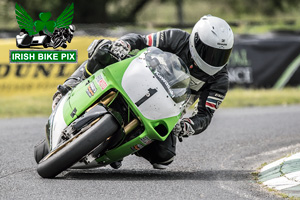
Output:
x=107 y=100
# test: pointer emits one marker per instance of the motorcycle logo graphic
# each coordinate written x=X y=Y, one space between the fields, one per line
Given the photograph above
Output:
x=45 y=32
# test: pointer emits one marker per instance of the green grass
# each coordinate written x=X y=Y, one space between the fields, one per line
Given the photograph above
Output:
x=25 y=106
x=166 y=13
x=261 y=97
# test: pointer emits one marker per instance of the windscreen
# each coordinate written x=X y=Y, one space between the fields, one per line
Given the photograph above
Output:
x=171 y=72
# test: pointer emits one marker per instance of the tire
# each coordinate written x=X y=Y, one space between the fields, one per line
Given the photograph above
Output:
x=57 y=43
x=41 y=150
x=78 y=148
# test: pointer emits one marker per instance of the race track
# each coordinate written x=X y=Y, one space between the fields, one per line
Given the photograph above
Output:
x=216 y=164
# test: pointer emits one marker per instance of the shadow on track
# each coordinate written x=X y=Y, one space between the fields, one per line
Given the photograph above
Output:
x=138 y=175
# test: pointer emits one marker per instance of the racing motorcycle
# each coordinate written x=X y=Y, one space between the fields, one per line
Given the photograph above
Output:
x=61 y=36
x=115 y=112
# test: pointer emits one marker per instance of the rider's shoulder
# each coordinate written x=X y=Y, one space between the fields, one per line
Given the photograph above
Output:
x=176 y=31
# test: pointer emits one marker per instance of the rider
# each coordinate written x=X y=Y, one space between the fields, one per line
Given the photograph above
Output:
x=61 y=36
x=206 y=51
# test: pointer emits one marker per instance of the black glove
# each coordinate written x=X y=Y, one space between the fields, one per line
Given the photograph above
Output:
x=184 y=128
x=121 y=48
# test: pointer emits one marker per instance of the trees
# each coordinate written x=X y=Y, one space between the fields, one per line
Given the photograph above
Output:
x=92 y=11
x=266 y=7
x=126 y=11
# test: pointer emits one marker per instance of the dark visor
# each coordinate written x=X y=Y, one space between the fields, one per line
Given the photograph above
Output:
x=212 y=56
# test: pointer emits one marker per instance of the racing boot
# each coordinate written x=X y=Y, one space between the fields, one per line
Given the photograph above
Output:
x=163 y=165
x=159 y=166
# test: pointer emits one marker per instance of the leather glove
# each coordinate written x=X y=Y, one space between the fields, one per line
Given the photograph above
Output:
x=184 y=128
x=120 y=48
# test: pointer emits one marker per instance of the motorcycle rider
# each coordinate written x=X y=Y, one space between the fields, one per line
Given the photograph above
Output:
x=206 y=51
x=61 y=36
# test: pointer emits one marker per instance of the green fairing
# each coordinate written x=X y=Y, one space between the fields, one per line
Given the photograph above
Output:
x=112 y=75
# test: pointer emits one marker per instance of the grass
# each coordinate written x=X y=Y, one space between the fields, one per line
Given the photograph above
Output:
x=166 y=13
x=25 y=106
x=261 y=97
x=34 y=105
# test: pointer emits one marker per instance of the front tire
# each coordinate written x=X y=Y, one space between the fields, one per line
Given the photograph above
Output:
x=78 y=148
x=57 y=42
x=40 y=150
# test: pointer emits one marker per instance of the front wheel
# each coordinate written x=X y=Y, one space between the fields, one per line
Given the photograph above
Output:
x=57 y=42
x=40 y=150
x=73 y=151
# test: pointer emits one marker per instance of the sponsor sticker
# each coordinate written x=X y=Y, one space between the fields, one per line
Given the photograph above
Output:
x=91 y=90
x=101 y=82
x=146 y=140
x=73 y=112
x=137 y=147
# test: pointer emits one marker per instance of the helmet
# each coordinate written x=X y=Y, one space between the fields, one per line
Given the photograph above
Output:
x=72 y=28
x=211 y=42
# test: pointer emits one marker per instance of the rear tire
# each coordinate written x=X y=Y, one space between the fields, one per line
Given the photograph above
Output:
x=78 y=148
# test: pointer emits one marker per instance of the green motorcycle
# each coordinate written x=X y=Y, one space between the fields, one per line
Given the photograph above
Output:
x=115 y=112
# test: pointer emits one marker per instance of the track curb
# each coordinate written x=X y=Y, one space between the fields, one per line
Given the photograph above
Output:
x=283 y=175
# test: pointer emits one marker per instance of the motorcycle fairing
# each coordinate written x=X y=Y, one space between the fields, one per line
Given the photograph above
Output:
x=146 y=88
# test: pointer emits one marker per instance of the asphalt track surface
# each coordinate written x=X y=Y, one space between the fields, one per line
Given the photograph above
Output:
x=216 y=164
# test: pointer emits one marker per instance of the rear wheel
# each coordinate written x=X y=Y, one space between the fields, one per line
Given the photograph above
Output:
x=72 y=151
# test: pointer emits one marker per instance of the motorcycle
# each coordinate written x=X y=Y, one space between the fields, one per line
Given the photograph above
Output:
x=61 y=36
x=115 y=112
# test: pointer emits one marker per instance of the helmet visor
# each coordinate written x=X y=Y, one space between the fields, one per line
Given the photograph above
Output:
x=212 y=56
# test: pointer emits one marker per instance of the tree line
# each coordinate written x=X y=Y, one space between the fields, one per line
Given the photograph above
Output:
x=126 y=11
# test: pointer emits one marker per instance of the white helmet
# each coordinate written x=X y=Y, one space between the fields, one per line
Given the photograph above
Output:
x=211 y=42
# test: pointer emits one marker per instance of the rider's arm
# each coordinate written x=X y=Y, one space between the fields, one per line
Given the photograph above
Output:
x=210 y=100
x=99 y=57
x=169 y=40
